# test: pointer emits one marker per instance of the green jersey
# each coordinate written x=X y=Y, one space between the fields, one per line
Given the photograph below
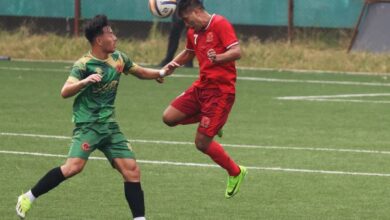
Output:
x=95 y=102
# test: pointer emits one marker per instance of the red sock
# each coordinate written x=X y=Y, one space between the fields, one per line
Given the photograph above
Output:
x=218 y=154
x=190 y=120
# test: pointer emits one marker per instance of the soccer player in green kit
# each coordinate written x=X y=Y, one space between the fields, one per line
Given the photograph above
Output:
x=95 y=78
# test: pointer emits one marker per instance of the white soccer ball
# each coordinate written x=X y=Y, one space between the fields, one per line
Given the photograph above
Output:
x=162 y=8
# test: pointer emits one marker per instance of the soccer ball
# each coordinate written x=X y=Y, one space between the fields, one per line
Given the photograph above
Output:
x=162 y=8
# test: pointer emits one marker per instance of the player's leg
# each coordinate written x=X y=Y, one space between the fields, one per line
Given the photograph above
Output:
x=183 y=110
x=132 y=186
x=215 y=111
x=172 y=117
x=57 y=175
x=84 y=141
x=122 y=158
x=215 y=151
x=48 y=182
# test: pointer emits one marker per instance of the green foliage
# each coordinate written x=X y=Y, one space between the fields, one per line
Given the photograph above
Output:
x=311 y=49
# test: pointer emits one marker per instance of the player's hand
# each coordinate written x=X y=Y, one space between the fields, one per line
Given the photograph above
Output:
x=167 y=70
x=94 y=78
x=170 y=67
x=212 y=55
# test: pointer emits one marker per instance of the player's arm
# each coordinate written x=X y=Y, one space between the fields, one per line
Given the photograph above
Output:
x=72 y=86
x=184 y=57
x=149 y=73
x=146 y=73
x=232 y=54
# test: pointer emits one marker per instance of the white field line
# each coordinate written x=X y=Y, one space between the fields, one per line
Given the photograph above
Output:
x=336 y=98
x=347 y=100
x=172 y=163
x=263 y=69
x=225 y=145
x=273 y=80
x=259 y=79
x=312 y=81
x=240 y=67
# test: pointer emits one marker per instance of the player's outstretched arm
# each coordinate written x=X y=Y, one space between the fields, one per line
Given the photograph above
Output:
x=149 y=73
x=71 y=87
x=182 y=58
x=232 y=54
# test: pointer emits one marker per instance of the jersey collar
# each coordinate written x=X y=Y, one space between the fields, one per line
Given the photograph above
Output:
x=95 y=58
x=208 y=25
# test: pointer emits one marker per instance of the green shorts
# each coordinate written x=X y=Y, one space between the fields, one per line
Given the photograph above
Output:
x=106 y=137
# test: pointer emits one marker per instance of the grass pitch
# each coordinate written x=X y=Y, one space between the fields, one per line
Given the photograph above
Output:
x=316 y=146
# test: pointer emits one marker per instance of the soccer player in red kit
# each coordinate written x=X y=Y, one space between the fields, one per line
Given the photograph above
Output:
x=212 y=39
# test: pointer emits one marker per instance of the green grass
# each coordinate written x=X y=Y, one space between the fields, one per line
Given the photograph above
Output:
x=31 y=104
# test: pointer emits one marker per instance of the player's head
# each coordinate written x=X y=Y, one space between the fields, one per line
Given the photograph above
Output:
x=190 y=11
x=99 y=33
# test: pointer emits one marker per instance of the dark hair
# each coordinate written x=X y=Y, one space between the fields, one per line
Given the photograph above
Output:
x=185 y=5
x=95 y=27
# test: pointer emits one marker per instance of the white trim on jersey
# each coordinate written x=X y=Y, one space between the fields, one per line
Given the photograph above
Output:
x=231 y=45
x=212 y=16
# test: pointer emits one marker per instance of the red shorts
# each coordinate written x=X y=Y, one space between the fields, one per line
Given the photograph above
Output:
x=211 y=106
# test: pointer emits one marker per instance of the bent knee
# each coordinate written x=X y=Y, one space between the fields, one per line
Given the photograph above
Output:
x=201 y=146
x=71 y=170
x=131 y=175
x=202 y=142
x=169 y=121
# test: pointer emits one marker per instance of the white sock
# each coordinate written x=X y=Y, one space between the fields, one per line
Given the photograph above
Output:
x=30 y=196
x=140 y=218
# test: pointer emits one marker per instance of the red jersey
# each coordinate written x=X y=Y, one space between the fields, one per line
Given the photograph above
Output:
x=220 y=36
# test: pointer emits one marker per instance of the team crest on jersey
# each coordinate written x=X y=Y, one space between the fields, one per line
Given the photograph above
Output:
x=85 y=146
x=205 y=122
x=99 y=71
x=210 y=37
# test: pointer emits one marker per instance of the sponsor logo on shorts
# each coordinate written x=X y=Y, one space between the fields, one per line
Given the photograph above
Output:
x=85 y=146
x=205 y=122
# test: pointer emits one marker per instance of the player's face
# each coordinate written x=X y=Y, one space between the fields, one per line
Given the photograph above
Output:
x=108 y=40
x=191 y=19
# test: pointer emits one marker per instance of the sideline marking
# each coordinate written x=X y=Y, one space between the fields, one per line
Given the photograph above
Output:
x=259 y=79
x=336 y=98
x=225 y=145
x=173 y=163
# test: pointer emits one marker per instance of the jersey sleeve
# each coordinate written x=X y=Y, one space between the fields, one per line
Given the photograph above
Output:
x=77 y=72
x=128 y=64
x=226 y=33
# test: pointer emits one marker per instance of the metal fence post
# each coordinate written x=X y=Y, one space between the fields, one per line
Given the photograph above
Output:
x=290 y=20
x=77 y=13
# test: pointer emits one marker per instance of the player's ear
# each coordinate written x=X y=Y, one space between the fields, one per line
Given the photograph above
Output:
x=99 y=40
